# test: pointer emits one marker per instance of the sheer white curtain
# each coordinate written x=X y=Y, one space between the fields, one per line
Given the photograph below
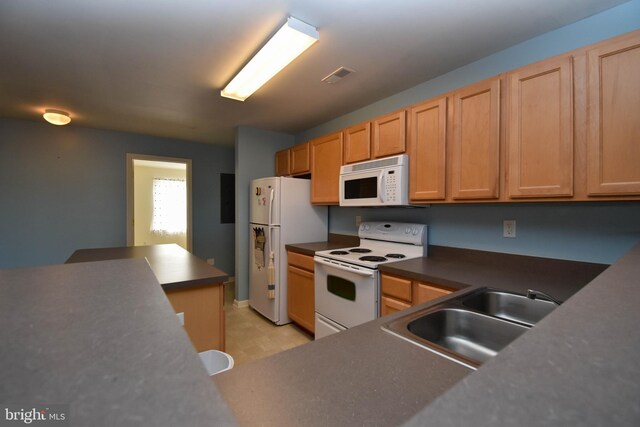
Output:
x=169 y=206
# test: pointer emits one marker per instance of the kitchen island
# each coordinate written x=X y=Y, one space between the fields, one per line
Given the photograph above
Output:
x=100 y=341
x=193 y=287
x=365 y=376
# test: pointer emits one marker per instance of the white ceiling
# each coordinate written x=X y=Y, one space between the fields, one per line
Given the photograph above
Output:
x=157 y=66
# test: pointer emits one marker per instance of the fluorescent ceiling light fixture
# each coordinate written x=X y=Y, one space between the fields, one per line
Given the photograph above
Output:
x=293 y=38
x=57 y=117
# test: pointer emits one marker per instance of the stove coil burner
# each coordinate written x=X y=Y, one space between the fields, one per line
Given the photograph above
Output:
x=360 y=250
x=372 y=258
x=339 y=253
x=396 y=256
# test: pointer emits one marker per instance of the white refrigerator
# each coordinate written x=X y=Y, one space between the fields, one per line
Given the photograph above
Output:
x=280 y=213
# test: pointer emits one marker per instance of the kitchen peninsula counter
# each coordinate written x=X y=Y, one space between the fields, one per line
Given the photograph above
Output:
x=193 y=287
x=365 y=376
x=173 y=266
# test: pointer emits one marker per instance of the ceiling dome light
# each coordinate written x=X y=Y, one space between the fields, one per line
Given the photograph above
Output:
x=57 y=117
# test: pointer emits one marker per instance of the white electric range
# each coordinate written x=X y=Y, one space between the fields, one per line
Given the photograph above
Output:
x=347 y=281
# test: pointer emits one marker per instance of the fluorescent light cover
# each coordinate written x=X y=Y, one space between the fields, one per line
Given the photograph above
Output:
x=57 y=117
x=293 y=38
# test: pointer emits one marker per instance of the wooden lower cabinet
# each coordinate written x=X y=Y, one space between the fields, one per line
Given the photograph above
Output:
x=390 y=305
x=203 y=314
x=301 y=290
x=398 y=293
x=427 y=291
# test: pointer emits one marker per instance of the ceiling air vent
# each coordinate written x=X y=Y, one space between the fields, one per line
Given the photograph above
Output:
x=337 y=75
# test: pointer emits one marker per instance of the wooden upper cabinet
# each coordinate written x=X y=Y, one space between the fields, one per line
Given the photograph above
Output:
x=540 y=130
x=389 y=134
x=283 y=167
x=357 y=143
x=300 y=164
x=427 y=150
x=326 y=159
x=475 y=144
x=613 y=129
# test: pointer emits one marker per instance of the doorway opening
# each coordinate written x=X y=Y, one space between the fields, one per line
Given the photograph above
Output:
x=158 y=200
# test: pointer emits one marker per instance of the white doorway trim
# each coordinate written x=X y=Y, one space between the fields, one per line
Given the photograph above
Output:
x=130 y=196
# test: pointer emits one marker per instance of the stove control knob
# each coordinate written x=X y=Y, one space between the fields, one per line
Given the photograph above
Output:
x=366 y=227
x=407 y=230
x=415 y=232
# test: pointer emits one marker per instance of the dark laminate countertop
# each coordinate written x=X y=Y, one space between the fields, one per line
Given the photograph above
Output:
x=578 y=367
x=173 y=266
x=365 y=376
x=459 y=268
x=102 y=338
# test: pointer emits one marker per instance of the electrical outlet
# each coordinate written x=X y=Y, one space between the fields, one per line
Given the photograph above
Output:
x=211 y=261
x=509 y=228
x=358 y=220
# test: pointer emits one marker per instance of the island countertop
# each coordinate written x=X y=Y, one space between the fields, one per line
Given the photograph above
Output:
x=173 y=266
x=102 y=339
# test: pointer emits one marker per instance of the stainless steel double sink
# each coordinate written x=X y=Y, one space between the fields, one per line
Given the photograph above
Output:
x=472 y=328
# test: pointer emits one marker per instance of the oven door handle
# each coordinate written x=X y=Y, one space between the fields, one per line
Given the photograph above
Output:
x=343 y=268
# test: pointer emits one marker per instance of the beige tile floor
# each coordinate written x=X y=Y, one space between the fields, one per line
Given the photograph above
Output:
x=250 y=336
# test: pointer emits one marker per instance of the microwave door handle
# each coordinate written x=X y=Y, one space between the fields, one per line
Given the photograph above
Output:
x=381 y=189
x=340 y=267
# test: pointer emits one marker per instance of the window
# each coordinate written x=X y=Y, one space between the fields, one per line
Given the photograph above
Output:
x=169 y=206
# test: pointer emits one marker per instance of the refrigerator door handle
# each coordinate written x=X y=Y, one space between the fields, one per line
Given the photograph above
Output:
x=271 y=194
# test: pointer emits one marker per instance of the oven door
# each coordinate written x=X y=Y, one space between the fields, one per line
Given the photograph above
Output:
x=345 y=293
x=362 y=188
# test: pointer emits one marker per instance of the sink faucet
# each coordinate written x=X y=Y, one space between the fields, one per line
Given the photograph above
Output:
x=533 y=294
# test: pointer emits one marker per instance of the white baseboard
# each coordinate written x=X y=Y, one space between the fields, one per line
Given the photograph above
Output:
x=240 y=304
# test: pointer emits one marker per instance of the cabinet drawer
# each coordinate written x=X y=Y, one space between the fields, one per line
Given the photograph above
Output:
x=428 y=291
x=301 y=261
x=390 y=306
x=396 y=287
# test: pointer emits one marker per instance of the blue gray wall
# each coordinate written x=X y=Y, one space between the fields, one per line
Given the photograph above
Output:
x=64 y=188
x=255 y=150
x=597 y=232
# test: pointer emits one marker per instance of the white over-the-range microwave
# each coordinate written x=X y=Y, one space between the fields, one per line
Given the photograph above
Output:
x=381 y=182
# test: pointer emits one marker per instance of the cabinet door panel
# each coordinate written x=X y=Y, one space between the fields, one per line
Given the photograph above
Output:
x=613 y=132
x=300 y=159
x=300 y=297
x=283 y=167
x=427 y=148
x=326 y=159
x=389 y=134
x=540 y=130
x=476 y=141
x=357 y=143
